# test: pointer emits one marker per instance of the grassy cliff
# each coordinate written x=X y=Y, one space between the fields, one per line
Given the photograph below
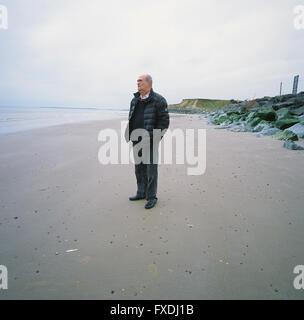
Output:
x=199 y=104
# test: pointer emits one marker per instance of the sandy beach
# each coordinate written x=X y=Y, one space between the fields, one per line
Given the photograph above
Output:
x=69 y=231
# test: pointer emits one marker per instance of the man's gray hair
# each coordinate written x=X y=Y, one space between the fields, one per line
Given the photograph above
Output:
x=149 y=79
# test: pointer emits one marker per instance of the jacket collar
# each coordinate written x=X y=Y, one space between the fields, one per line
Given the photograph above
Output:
x=137 y=95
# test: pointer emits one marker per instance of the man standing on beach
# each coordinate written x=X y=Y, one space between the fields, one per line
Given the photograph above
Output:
x=148 y=110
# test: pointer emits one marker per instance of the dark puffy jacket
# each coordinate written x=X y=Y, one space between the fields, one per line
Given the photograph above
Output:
x=156 y=115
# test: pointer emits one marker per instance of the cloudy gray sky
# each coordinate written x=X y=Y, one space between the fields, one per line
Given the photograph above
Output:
x=89 y=53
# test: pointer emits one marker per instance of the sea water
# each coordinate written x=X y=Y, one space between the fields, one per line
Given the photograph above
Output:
x=15 y=119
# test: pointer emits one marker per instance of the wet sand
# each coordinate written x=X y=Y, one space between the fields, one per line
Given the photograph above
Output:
x=235 y=232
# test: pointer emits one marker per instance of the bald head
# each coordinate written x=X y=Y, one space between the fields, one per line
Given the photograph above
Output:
x=144 y=84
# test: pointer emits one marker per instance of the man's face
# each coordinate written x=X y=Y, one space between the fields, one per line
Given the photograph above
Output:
x=142 y=84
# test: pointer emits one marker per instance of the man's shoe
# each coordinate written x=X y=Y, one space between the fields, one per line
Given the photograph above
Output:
x=150 y=203
x=137 y=197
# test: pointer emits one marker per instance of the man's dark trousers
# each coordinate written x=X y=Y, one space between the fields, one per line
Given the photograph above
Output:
x=147 y=173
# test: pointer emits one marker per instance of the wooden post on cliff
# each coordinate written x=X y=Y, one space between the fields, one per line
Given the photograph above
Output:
x=295 y=85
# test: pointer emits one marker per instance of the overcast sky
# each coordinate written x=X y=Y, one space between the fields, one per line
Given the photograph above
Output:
x=89 y=53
